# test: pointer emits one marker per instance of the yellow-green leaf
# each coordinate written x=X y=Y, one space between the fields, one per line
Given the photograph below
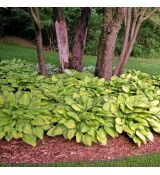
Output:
x=70 y=124
x=38 y=132
x=29 y=139
x=87 y=140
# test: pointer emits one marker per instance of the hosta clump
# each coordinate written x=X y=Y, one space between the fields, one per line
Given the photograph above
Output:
x=24 y=115
x=51 y=68
x=77 y=105
x=84 y=118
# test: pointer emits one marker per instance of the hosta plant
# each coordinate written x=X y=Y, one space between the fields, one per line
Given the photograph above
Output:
x=77 y=105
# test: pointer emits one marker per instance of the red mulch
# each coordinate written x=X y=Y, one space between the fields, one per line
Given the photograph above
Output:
x=58 y=149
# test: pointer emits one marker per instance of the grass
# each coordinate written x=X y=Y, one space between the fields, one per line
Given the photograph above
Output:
x=152 y=160
x=10 y=51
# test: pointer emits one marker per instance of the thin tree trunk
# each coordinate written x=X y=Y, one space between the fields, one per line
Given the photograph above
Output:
x=39 y=42
x=110 y=30
x=130 y=48
x=40 y=52
x=125 y=43
x=131 y=33
x=62 y=38
x=80 y=40
x=138 y=19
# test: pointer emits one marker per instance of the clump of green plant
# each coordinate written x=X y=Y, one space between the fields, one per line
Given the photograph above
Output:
x=77 y=105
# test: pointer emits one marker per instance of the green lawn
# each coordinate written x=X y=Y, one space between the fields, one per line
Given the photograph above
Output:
x=10 y=51
x=136 y=161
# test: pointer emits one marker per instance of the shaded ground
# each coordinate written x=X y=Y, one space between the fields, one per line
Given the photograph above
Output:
x=60 y=150
x=17 y=40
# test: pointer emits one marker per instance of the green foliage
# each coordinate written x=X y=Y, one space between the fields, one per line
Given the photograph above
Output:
x=77 y=105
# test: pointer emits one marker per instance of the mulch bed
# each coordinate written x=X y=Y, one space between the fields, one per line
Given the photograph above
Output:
x=58 y=149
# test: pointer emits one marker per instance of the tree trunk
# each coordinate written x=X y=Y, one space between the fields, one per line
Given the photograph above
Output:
x=110 y=30
x=39 y=43
x=131 y=32
x=125 y=43
x=62 y=38
x=80 y=40
x=40 y=53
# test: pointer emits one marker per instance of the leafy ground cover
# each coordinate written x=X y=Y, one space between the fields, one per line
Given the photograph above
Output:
x=77 y=105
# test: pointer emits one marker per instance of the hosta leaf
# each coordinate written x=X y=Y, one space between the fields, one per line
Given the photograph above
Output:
x=119 y=128
x=7 y=127
x=78 y=137
x=158 y=92
x=29 y=139
x=150 y=136
x=137 y=140
x=50 y=131
x=86 y=139
x=118 y=120
x=101 y=120
x=16 y=135
x=106 y=106
x=129 y=103
x=24 y=100
x=1 y=100
x=154 y=110
x=156 y=129
x=2 y=134
x=111 y=131
x=38 y=132
x=68 y=71
x=46 y=127
x=101 y=134
x=11 y=97
x=114 y=109
x=4 y=121
x=103 y=141
x=141 y=136
x=54 y=78
x=70 y=124
x=120 y=100
x=8 y=136
x=38 y=121
x=58 y=130
x=27 y=128
x=46 y=121
x=128 y=130
x=71 y=133
x=19 y=126
x=126 y=89
x=154 y=103
x=69 y=101
x=74 y=115
x=76 y=107
x=91 y=132
x=84 y=127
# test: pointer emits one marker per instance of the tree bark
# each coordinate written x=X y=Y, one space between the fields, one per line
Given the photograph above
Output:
x=131 y=32
x=80 y=40
x=110 y=30
x=39 y=43
x=125 y=43
x=62 y=38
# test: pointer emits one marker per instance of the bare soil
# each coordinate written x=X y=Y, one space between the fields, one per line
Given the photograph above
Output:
x=58 y=149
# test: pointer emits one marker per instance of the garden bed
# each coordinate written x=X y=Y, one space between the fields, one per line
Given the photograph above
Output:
x=58 y=149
